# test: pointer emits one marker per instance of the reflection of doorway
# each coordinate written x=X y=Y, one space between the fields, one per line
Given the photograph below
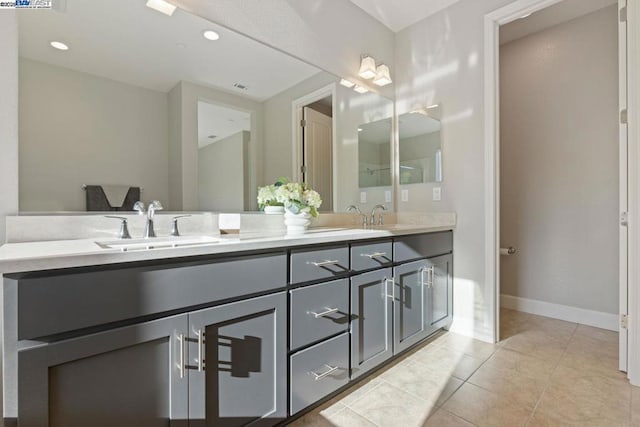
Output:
x=313 y=150
x=224 y=136
x=317 y=150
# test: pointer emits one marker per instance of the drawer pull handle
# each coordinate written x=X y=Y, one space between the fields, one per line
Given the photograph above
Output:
x=324 y=313
x=318 y=377
x=324 y=263
x=375 y=255
x=181 y=344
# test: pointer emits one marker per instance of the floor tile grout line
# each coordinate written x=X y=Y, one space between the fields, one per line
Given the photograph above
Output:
x=555 y=368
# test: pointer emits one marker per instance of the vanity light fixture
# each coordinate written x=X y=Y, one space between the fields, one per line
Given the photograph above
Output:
x=347 y=83
x=59 y=45
x=360 y=89
x=367 y=67
x=424 y=110
x=161 y=6
x=383 y=76
x=210 y=35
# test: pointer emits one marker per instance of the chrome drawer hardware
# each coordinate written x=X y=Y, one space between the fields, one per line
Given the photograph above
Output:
x=324 y=263
x=431 y=271
x=324 y=313
x=318 y=377
x=374 y=255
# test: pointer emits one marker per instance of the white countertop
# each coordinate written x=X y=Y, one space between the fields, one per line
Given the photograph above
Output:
x=48 y=255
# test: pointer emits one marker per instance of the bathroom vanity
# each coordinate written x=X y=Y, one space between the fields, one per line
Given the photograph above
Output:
x=239 y=332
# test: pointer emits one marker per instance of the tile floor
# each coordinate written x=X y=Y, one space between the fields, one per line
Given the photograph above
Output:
x=544 y=372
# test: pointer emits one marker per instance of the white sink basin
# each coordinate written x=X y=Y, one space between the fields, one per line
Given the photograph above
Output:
x=126 y=245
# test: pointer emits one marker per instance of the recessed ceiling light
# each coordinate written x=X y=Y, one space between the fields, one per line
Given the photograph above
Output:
x=210 y=35
x=59 y=45
x=161 y=6
x=347 y=83
x=360 y=89
x=526 y=15
x=359 y=129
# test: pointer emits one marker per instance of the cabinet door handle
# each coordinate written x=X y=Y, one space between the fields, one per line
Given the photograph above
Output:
x=318 y=377
x=432 y=273
x=181 y=343
x=324 y=313
x=200 y=334
x=428 y=283
x=393 y=288
x=324 y=263
x=374 y=255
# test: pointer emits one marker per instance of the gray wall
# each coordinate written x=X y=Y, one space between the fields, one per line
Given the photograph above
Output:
x=559 y=163
x=221 y=173
x=78 y=128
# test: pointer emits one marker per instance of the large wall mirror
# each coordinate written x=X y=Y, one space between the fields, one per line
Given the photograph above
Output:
x=146 y=100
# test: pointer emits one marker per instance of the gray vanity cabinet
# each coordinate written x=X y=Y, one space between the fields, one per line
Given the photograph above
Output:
x=410 y=311
x=125 y=376
x=440 y=292
x=423 y=299
x=238 y=363
x=372 y=318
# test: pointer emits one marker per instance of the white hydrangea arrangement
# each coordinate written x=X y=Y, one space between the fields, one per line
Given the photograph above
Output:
x=295 y=197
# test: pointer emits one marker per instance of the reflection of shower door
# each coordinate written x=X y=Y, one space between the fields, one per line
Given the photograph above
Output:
x=318 y=155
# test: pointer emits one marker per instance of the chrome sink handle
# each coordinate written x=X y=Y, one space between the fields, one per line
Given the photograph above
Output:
x=174 y=224
x=124 y=229
x=357 y=209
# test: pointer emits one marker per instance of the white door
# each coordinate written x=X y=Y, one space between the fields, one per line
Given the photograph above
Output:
x=318 y=155
x=622 y=65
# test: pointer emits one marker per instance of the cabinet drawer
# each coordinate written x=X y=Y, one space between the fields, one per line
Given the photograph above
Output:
x=371 y=255
x=54 y=303
x=319 y=371
x=422 y=246
x=310 y=265
x=319 y=311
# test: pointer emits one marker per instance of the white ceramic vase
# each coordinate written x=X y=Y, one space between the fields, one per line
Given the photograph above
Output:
x=297 y=223
x=274 y=210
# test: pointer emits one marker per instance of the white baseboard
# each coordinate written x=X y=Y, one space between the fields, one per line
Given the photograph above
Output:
x=597 y=319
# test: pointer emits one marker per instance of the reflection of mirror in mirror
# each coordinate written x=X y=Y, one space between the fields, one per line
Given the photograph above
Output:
x=374 y=154
x=420 y=148
x=121 y=108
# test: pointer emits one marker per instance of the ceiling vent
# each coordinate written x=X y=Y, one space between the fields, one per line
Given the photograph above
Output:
x=212 y=136
x=240 y=86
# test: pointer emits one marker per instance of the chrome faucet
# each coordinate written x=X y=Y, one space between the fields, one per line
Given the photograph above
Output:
x=357 y=209
x=373 y=215
x=151 y=210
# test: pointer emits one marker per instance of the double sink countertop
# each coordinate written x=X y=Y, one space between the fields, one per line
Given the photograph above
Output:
x=56 y=254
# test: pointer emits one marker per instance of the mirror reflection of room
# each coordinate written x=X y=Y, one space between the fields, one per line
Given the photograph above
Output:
x=420 y=148
x=131 y=115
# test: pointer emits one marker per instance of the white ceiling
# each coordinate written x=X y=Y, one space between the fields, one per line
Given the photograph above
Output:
x=126 y=41
x=561 y=12
x=219 y=121
x=397 y=15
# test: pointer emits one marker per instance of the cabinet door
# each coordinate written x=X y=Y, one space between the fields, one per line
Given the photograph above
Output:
x=440 y=295
x=371 y=324
x=126 y=376
x=410 y=323
x=238 y=358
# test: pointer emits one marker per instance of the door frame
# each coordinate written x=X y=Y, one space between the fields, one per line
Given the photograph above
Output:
x=492 y=22
x=296 y=132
